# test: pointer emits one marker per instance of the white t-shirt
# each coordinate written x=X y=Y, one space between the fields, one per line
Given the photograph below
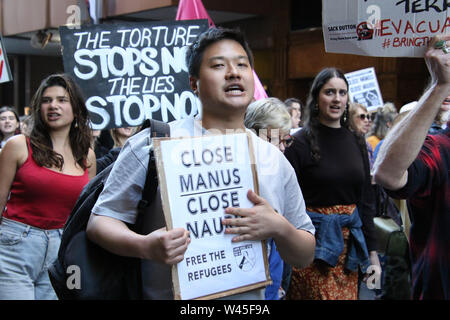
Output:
x=122 y=193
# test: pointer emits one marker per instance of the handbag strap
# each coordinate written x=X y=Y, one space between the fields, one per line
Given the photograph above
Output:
x=381 y=201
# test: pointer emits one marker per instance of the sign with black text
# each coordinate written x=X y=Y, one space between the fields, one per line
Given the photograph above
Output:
x=132 y=72
x=199 y=178
x=364 y=89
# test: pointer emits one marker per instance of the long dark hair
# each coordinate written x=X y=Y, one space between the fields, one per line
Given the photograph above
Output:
x=80 y=131
x=312 y=122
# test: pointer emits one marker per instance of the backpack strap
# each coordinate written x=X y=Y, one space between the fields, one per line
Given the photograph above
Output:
x=157 y=129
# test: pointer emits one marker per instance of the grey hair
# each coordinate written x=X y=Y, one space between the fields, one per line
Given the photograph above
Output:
x=383 y=120
x=265 y=113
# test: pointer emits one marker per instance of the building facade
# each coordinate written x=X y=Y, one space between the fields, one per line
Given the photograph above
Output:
x=285 y=35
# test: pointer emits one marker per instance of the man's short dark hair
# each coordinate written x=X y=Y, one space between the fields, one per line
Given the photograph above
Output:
x=288 y=102
x=194 y=53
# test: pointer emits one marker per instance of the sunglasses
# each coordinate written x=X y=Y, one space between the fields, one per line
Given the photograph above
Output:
x=365 y=116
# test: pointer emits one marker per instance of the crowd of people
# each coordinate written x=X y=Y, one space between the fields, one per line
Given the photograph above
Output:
x=316 y=209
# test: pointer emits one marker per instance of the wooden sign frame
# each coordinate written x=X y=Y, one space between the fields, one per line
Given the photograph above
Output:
x=169 y=222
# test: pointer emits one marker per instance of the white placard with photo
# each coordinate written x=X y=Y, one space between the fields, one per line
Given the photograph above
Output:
x=364 y=88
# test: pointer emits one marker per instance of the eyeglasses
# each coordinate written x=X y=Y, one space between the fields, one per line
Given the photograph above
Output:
x=287 y=142
x=365 y=116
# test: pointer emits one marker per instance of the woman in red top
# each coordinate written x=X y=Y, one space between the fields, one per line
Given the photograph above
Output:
x=41 y=178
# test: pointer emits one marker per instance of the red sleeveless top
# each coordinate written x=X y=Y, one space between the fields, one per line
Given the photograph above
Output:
x=41 y=197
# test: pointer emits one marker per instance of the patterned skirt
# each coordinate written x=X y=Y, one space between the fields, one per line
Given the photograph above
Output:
x=320 y=281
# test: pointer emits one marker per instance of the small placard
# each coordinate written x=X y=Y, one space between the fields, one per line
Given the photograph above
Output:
x=364 y=89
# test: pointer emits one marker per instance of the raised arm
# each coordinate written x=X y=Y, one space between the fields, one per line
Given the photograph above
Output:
x=403 y=143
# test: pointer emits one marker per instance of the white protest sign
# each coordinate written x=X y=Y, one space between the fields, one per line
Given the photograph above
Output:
x=364 y=89
x=5 y=72
x=130 y=72
x=199 y=178
x=388 y=28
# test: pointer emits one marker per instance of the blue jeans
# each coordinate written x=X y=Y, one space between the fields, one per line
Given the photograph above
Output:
x=276 y=272
x=26 y=253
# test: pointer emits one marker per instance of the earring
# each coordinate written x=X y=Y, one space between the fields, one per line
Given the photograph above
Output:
x=345 y=115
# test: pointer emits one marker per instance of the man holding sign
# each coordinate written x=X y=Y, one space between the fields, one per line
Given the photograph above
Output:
x=220 y=68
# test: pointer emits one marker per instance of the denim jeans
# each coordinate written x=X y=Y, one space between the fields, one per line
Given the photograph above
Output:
x=26 y=253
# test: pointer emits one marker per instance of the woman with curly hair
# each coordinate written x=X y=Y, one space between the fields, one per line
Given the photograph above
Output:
x=42 y=177
x=332 y=168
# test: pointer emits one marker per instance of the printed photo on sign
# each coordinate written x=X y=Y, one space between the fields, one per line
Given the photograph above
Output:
x=130 y=72
x=364 y=89
x=388 y=28
x=199 y=178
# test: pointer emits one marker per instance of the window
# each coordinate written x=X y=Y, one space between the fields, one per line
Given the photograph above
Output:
x=306 y=14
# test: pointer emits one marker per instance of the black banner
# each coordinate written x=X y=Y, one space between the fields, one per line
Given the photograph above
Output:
x=132 y=72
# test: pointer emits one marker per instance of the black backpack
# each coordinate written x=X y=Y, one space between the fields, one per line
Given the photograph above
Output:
x=397 y=268
x=83 y=270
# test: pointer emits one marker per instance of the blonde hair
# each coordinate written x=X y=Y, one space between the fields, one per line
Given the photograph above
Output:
x=118 y=142
x=353 y=108
x=265 y=113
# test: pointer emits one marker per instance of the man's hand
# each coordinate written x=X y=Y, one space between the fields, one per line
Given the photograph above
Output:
x=437 y=61
x=167 y=246
x=256 y=223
